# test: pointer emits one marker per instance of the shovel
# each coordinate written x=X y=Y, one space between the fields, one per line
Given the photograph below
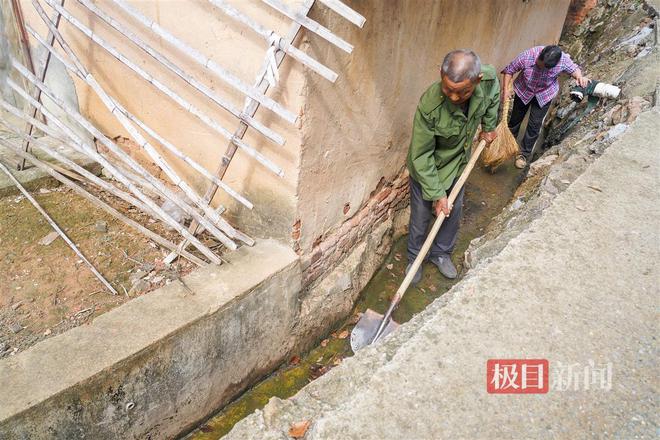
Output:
x=373 y=325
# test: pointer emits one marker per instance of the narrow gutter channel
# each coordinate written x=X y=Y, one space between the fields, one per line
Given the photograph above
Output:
x=486 y=195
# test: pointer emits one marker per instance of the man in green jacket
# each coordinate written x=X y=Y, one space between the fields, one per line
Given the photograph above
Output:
x=446 y=121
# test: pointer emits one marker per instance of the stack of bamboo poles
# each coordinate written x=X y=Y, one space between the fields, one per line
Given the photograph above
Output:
x=131 y=181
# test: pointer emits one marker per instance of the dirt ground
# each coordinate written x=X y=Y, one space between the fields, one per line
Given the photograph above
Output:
x=45 y=289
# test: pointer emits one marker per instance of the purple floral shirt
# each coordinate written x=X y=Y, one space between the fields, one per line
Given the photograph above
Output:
x=534 y=81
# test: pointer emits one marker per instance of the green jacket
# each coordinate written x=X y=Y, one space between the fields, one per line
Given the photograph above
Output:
x=442 y=135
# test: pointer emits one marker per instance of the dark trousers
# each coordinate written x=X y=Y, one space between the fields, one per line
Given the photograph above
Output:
x=536 y=115
x=421 y=214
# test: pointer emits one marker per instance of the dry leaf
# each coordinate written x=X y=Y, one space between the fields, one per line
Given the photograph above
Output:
x=205 y=428
x=324 y=343
x=343 y=335
x=299 y=429
x=317 y=370
x=295 y=360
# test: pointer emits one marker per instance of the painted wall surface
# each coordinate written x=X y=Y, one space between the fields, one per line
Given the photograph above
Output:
x=350 y=135
x=233 y=46
x=357 y=131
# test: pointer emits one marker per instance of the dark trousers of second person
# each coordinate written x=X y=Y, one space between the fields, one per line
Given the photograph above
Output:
x=536 y=115
x=421 y=214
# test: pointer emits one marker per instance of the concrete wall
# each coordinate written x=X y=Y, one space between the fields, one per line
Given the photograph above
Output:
x=356 y=132
x=233 y=46
x=155 y=366
x=161 y=363
x=351 y=134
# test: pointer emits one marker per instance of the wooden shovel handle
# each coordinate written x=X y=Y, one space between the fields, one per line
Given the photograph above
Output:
x=429 y=241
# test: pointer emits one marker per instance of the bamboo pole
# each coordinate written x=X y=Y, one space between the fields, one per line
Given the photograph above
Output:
x=195 y=165
x=135 y=166
x=310 y=24
x=116 y=109
x=250 y=107
x=164 y=142
x=205 y=61
x=68 y=162
x=104 y=162
x=210 y=122
x=22 y=36
x=346 y=12
x=57 y=229
x=119 y=176
x=274 y=39
x=36 y=92
x=52 y=170
x=206 y=91
x=81 y=170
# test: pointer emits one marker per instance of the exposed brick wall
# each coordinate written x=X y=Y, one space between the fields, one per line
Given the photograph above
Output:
x=578 y=10
x=384 y=202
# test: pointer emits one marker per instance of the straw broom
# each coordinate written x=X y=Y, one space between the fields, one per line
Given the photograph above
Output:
x=504 y=146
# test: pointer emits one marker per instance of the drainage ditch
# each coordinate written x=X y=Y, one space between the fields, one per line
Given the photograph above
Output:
x=486 y=195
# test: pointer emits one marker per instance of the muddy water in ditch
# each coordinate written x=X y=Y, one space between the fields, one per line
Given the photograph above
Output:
x=485 y=196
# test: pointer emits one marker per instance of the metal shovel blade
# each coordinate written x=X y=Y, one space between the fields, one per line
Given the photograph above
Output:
x=366 y=328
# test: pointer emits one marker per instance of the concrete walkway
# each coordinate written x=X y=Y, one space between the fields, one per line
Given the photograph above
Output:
x=579 y=288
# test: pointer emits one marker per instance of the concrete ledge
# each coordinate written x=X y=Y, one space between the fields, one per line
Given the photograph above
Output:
x=156 y=365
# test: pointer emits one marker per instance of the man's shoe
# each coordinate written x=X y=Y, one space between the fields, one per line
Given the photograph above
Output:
x=521 y=162
x=445 y=266
x=418 y=276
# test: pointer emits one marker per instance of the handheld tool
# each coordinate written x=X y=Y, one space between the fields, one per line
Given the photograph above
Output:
x=372 y=325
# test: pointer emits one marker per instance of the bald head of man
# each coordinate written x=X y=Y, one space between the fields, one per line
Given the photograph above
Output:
x=460 y=75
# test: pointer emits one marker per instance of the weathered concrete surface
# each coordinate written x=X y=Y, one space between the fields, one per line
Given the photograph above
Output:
x=161 y=362
x=579 y=285
x=356 y=131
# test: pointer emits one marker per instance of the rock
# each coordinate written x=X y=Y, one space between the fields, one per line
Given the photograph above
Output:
x=137 y=276
x=631 y=50
x=148 y=267
x=15 y=327
x=345 y=282
x=44 y=191
x=105 y=173
x=48 y=239
x=48 y=332
x=178 y=214
x=516 y=204
x=638 y=38
x=3 y=347
x=616 y=131
x=101 y=226
x=643 y=53
x=157 y=279
x=140 y=286
x=541 y=164
x=636 y=105
x=615 y=115
x=16 y=305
